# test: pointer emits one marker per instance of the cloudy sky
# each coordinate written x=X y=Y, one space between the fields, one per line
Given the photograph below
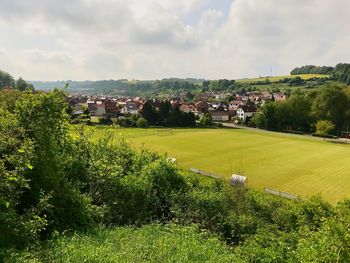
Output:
x=148 y=39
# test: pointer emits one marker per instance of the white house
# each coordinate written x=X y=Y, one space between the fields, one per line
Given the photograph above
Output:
x=97 y=108
x=245 y=112
x=131 y=109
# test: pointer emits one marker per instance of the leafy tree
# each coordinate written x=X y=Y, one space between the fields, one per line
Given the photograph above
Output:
x=297 y=81
x=324 y=127
x=206 y=120
x=331 y=104
x=45 y=121
x=342 y=73
x=8 y=99
x=164 y=111
x=6 y=80
x=270 y=115
x=259 y=120
x=22 y=85
x=311 y=69
x=20 y=224
x=149 y=113
x=297 y=113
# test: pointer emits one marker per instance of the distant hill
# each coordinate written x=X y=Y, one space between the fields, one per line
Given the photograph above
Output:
x=122 y=86
x=304 y=77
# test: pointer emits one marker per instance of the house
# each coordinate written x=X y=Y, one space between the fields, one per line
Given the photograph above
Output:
x=97 y=108
x=111 y=107
x=245 y=112
x=130 y=109
x=74 y=105
x=188 y=108
x=235 y=104
x=220 y=113
x=202 y=106
x=279 y=96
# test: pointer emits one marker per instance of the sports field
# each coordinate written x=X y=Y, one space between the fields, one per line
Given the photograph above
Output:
x=296 y=164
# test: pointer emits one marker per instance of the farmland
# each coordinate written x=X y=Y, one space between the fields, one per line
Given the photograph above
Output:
x=278 y=78
x=300 y=165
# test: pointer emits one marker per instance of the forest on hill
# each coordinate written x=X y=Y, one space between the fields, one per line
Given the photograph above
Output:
x=176 y=86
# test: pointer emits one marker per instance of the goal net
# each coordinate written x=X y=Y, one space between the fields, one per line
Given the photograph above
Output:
x=164 y=132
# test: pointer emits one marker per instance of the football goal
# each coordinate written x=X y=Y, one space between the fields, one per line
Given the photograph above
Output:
x=164 y=132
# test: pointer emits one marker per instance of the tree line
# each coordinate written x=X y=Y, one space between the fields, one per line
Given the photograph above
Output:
x=312 y=69
x=302 y=111
x=341 y=72
x=7 y=81
x=167 y=115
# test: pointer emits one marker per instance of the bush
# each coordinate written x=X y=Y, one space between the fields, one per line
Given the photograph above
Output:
x=142 y=123
x=105 y=121
x=206 y=120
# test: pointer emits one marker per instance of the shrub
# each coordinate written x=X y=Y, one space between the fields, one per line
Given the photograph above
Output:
x=142 y=123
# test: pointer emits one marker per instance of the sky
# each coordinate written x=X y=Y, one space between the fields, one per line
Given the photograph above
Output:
x=154 y=39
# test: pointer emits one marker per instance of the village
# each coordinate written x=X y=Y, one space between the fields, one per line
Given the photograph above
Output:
x=223 y=107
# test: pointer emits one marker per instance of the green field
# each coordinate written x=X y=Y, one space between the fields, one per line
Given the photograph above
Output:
x=277 y=78
x=300 y=165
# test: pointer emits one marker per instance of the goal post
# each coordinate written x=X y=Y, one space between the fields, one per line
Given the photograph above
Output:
x=164 y=132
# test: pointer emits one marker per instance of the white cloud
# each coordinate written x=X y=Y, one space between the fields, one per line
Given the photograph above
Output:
x=97 y=39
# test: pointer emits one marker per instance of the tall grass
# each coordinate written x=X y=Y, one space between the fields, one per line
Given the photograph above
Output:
x=152 y=243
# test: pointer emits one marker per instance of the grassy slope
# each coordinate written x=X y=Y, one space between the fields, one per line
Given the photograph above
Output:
x=296 y=164
x=147 y=244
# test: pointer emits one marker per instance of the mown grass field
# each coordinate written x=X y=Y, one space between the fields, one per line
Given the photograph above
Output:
x=300 y=165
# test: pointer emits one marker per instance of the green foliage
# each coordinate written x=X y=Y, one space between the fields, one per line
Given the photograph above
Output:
x=20 y=224
x=300 y=112
x=6 y=80
x=153 y=243
x=105 y=121
x=342 y=73
x=126 y=122
x=8 y=99
x=324 y=127
x=142 y=123
x=22 y=85
x=297 y=81
x=167 y=115
x=259 y=120
x=332 y=104
x=206 y=120
x=51 y=181
x=311 y=69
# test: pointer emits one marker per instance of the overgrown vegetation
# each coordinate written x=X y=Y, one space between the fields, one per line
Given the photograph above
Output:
x=53 y=182
x=302 y=111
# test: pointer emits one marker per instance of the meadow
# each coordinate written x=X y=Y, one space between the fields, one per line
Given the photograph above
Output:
x=300 y=165
x=278 y=78
x=151 y=243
